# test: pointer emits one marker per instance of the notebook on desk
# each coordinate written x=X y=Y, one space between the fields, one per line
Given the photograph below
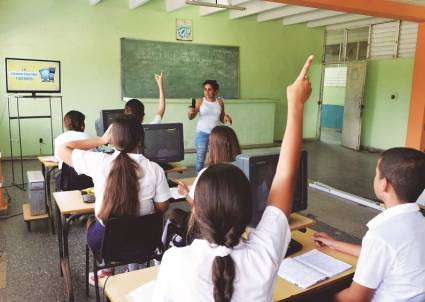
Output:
x=310 y=268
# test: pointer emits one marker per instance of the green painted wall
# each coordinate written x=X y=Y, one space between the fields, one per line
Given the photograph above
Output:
x=334 y=95
x=86 y=39
x=385 y=120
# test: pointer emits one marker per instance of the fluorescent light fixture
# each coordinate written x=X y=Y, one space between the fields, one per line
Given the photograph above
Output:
x=216 y=4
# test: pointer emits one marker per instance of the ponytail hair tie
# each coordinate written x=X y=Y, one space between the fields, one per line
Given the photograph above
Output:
x=221 y=251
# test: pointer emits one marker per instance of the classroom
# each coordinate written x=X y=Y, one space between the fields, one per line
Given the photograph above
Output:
x=366 y=96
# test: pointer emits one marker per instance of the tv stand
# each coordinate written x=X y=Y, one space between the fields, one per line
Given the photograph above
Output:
x=293 y=247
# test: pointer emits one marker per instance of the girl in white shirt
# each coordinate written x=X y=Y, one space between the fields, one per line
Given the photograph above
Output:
x=219 y=266
x=125 y=183
x=223 y=148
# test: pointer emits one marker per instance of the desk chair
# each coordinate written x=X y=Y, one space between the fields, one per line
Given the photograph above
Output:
x=71 y=180
x=126 y=240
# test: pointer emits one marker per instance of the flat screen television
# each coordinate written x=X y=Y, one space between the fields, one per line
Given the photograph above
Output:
x=107 y=117
x=164 y=142
x=260 y=170
x=32 y=76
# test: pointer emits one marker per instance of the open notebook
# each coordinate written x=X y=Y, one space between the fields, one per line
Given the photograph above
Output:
x=310 y=268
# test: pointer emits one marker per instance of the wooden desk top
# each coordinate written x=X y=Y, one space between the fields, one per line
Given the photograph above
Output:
x=176 y=167
x=48 y=161
x=71 y=202
x=119 y=286
x=296 y=222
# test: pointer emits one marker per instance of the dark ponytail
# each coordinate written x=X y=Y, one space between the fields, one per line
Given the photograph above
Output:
x=121 y=196
x=223 y=209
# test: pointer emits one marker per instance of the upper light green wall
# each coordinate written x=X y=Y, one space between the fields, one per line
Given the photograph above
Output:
x=86 y=39
x=333 y=95
x=385 y=120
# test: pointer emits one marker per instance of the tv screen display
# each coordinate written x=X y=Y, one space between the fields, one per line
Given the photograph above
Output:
x=164 y=142
x=107 y=118
x=26 y=75
x=260 y=170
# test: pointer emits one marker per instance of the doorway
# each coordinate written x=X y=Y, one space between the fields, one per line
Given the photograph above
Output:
x=333 y=99
x=342 y=103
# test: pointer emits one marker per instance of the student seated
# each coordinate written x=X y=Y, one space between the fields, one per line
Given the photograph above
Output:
x=219 y=265
x=136 y=107
x=223 y=148
x=391 y=265
x=74 y=125
x=125 y=183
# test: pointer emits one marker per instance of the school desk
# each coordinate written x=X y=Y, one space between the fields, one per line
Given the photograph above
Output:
x=119 y=286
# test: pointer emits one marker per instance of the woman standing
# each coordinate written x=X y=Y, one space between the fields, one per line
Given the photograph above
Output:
x=211 y=113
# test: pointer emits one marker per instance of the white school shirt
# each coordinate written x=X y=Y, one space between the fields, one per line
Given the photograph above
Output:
x=392 y=258
x=209 y=115
x=185 y=273
x=153 y=186
x=66 y=137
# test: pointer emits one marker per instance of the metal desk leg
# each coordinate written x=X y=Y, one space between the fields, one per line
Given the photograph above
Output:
x=65 y=260
x=59 y=228
x=49 y=199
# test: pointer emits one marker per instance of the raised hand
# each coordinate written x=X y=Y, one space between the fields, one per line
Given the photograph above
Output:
x=299 y=91
x=159 y=78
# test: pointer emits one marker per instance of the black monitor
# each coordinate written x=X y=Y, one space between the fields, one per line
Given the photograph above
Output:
x=107 y=117
x=164 y=142
x=260 y=171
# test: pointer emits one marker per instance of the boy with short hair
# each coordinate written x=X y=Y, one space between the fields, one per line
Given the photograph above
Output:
x=391 y=265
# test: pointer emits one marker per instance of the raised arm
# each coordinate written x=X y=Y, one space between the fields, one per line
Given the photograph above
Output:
x=159 y=78
x=283 y=182
x=65 y=150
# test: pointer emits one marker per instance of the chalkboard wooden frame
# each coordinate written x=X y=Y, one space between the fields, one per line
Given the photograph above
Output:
x=185 y=66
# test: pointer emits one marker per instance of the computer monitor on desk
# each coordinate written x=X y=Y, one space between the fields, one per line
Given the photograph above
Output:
x=107 y=117
x=164 y=143
x=260 y=170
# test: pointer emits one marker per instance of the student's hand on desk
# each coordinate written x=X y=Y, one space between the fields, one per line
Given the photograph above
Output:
x=159 y=78
x=322 y=239
x=299 y=91
x=182 y=188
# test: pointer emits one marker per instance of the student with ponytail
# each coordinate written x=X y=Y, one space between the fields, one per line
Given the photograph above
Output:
x=219 y=265
x=125 y=183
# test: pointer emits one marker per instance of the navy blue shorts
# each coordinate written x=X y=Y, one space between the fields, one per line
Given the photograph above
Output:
x=95 y=236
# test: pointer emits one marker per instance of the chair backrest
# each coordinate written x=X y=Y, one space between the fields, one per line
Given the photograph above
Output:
x=131 y=239
x=71 y=180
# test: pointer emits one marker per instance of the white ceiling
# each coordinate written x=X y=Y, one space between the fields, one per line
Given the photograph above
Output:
x=266 y=11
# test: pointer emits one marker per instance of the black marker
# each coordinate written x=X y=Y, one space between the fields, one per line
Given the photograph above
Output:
x=193 y=102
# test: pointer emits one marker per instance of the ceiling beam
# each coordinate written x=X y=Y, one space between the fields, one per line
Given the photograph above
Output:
x=255 y=7
x=337 y=20
x=132 y=4
x=173 y=5
x=283 y=12
x=94 y=2
x=310 y=16
x=360 y=23
x=205 y=10
x=376 y=8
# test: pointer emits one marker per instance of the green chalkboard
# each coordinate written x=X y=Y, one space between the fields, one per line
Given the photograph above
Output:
x=186 y=66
